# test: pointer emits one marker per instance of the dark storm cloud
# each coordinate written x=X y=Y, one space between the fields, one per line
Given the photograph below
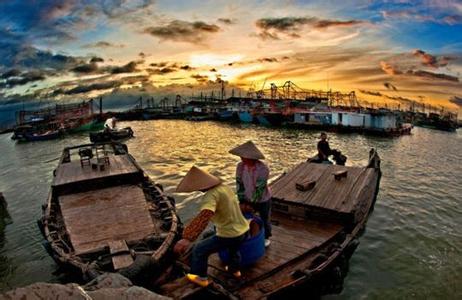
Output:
x=85 y=68
x=131 y=67
x=10 y=73
x=182 y=31
x=291 y=26
x=92 y=87
x=96 y=59
x=22 y=79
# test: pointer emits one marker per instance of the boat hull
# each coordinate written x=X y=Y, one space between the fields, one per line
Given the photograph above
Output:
x=245 y=117
x=90 y=259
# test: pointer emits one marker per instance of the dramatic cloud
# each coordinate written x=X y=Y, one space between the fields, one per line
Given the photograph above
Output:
x=10 y=73
x=291 y=26
x=186 y=68
x=182 y=31
x=389 y=69
x=430 y=60
x=96 y=59
x=161 y=71
x=456 y=100
x=390 y=86
x=86 y=68
x=21 y=78
x=128 y=68
x=95 y=86
x=432 y=75
x=200 y=78
x=103 y=44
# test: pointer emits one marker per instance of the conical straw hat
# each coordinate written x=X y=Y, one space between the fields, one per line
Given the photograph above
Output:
x=247 y=150
x=197 y=180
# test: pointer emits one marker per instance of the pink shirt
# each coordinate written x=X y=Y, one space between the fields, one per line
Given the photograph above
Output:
x=253 y=177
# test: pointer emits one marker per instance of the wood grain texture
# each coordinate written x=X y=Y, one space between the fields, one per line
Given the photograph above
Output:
x=94 y=218
x=120 y=261
x=73 y=172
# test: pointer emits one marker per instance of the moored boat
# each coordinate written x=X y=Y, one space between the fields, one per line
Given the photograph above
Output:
x=319 y=211
x=245 y=116
x=104 y=214
x=111 y=135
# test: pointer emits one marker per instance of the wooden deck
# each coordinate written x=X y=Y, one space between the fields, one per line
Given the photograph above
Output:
x=73 y=172
x=328 y=193
x=290 y=241
x=95 y=218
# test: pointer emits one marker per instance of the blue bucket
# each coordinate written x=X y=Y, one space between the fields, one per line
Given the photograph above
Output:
x=252 y=249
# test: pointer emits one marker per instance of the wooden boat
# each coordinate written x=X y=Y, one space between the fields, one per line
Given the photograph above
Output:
x=44 y=136
x=112 y=135
x=103 y=212
x=319 y=211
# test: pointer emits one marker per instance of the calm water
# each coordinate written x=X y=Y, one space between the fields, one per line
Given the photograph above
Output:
x=412 y=245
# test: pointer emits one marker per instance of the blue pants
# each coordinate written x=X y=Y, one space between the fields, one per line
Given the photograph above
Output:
x=204 y=248
x=264 y=210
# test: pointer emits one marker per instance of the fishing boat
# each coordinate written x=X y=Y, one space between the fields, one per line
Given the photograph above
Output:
x=318 y=213
x=103 y=214
x=37 y=131
x=111 y=135
x=245 y=116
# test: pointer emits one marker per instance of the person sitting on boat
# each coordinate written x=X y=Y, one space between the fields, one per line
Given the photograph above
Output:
x=323 y=148
x=110 y=124
x=221 y=206
x=252 y=183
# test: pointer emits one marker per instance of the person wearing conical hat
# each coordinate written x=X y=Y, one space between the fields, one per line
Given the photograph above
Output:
x=252 y=183
x=221 y=206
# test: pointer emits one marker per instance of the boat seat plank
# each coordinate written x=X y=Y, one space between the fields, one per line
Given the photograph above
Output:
x=120 y=260
x=94 y=218
x=73 y=171
x=290 y=240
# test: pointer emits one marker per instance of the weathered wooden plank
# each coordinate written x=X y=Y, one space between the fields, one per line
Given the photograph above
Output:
x=120 y=261
x=74 y=172
x=96 y=217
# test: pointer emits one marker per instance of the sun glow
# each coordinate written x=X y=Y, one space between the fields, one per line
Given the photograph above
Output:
x=213 y=60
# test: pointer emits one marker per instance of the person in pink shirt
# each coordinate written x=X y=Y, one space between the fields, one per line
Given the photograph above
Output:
x=252 y=183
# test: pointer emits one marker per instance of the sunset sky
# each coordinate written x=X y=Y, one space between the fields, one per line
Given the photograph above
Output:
x=393 y=50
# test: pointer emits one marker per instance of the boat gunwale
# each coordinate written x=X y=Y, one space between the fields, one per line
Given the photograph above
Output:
x=61 y=256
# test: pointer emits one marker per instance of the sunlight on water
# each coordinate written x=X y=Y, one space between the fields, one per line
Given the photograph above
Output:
x=412 y=244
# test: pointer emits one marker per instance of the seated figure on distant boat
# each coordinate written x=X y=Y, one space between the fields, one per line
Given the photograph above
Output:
x=252 y=184
x=323 y=148
x=219 y=205
x=324 y=151
x=110 y=124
